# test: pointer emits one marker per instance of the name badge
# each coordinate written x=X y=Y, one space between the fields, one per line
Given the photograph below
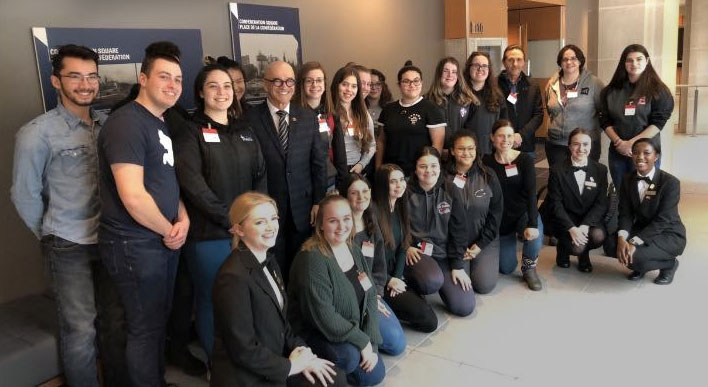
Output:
x=367 y=248
x=649 y=193
x=590 y=184
x=350 y=130
x=572 y=94
x=364 y=281
x=324 y=128
x=460 y=181
x=210 y=135
x=427 y=248
x=512 y=98
x=629 y=110
x=511 y=170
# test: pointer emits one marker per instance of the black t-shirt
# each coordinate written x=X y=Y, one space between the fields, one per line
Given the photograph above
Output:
x=133 y=135
x=407 y=130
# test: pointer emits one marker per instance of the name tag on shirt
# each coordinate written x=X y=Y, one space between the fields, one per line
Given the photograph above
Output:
x=364 y=281
x=210 y=135
x=590 y=184
x=427 y=248
x=367 y=248
x=324 y=128
x=460 y=181
x=571 y=94
x=511 y=170
x=649 y=193
x=512 y=98
x=350 y=130
x=629 y=110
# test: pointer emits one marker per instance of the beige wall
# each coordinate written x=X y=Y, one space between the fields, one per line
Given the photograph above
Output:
x=376 y=33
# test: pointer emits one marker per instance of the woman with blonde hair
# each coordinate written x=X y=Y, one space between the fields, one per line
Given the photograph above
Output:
x=254 y=345
x=332 y=296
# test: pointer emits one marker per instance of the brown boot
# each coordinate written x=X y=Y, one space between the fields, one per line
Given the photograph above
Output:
x=532 y=279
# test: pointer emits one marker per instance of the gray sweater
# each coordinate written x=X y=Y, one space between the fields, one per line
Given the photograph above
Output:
x=580 y=112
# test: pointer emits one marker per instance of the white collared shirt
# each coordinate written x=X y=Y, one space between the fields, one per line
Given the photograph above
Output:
x=580 y=175
x=642 y=185
x=274 y=113
x=272 y=283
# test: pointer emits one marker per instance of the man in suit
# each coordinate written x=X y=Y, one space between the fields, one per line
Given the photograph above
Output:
x=651 y=234
x=295 y=159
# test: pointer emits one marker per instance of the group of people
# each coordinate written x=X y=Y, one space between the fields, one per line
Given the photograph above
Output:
x=313 y=225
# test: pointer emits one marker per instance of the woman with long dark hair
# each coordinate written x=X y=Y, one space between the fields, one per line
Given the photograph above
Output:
x=635 y=104
x=483 y=202
x=238 y=76
x=479 y=75
x=378 y=97
x=409 y=123
x=449 y=91
x=356 y=123
x=217 y=158
x=391 y=199
x=311 y=92
x=367 y=235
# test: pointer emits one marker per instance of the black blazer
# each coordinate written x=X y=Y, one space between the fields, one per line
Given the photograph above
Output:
x=567 y=207
x=656 y=219
x=297 y=180
x=252 y=337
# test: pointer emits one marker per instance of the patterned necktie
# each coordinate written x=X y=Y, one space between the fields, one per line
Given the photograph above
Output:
x=283 y=129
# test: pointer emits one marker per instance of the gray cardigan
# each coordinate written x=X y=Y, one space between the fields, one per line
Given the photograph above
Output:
x=582 y=111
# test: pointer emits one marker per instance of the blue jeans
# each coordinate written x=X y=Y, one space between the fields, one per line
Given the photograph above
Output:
x=144 y=272
x=394 y=341
x=347 y=357
x=80 y=283
x=620 y=166
x=507 y=250
x=204 y=259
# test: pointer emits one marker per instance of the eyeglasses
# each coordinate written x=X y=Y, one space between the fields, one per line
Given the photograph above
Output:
x=571 y=59
x=376 y=85
x=410 y=82
x=76 y=78
x=277 y=82
x=314 y=81
x=477 y=67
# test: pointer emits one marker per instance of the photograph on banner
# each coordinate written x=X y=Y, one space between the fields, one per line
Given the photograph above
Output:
x=260 y=35
x=120 y=54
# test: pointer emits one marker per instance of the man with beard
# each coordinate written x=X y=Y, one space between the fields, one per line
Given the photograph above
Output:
x=55 y=192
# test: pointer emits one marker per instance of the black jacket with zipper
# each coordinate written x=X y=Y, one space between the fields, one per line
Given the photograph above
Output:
x=527 y=113
x=212 y=174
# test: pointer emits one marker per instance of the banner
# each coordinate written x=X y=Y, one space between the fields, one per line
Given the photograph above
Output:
x=262 y=34
x=120 y=53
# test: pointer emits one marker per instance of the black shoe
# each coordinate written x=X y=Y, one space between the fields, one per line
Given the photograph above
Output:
x=188 y=363
x=562 y=259
x=635 y=276
x=666 y=276
x=552 y=241
x=584 y=264
x=532 y=279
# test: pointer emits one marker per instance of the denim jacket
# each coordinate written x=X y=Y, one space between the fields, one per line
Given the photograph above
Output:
x=55 y=175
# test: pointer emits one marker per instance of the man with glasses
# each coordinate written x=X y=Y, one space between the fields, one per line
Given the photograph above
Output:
x=143 y=221
x=55 y=191
x=295 y=159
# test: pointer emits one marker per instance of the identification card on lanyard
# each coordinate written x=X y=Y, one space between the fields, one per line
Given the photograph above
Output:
x=512 y=98
x=427 y=248
x=460 y=181
x=324 y=128
x=210 y=135
x=367 y=248
x=511 y=170
x=630 y=109
x=365 y=281
x=350 y=130
x=571 y=94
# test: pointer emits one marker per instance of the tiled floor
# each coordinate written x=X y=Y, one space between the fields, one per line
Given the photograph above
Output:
x=580 y=330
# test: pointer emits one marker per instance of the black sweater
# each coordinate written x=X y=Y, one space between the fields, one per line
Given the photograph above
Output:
x=520 y=209
x=212 y=174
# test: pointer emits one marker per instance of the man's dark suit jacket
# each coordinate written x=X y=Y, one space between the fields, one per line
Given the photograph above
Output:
x=567 y=207
x=252 y=336
x=296 y=180
x=655 y=219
